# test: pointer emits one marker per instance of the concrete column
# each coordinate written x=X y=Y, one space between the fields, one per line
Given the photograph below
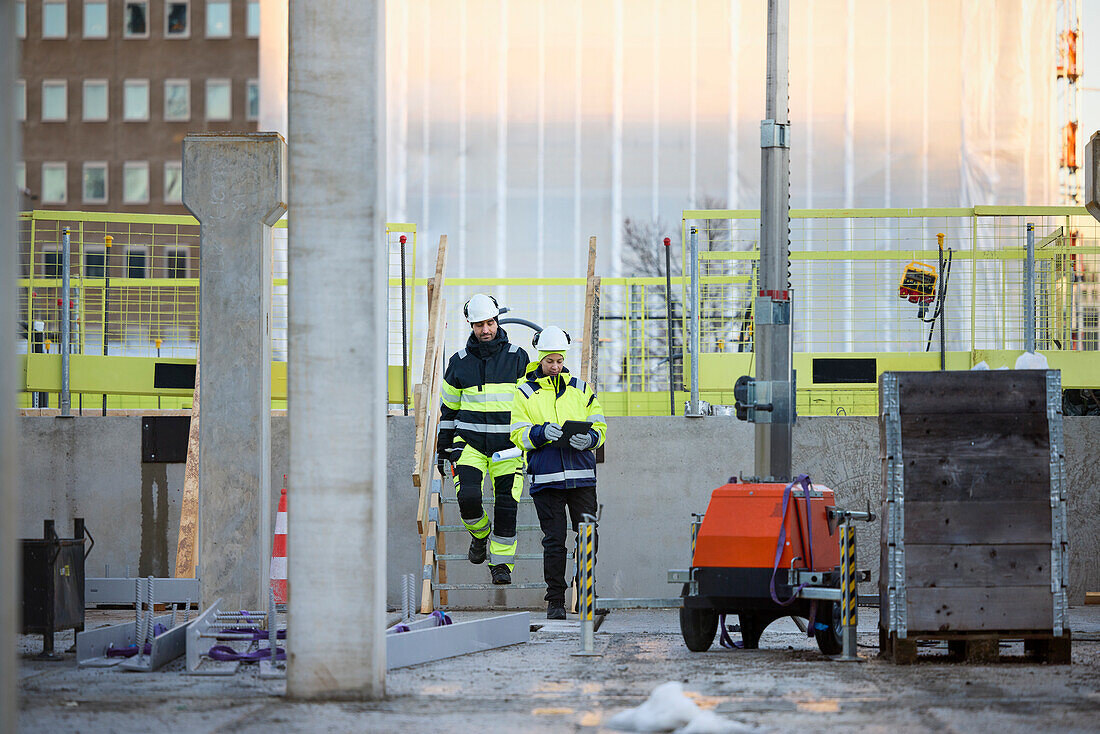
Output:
x=236 y=186
x=9 y=492
x=337 y=366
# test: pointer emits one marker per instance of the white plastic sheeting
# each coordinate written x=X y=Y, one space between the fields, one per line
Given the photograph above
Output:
x=520 y=128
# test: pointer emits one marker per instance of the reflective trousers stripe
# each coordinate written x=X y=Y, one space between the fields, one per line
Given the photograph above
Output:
x=502 y=550
x=563 y=475
x=478 y=528
x=483 y=427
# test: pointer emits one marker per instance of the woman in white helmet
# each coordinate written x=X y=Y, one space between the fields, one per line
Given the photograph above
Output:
x=562 y=469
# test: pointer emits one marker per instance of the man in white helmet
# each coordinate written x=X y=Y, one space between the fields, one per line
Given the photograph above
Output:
x=474 y=423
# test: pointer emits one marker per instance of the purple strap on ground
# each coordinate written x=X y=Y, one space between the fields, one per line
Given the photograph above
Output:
x=441 y=620
x=131 y=650
x=228 y=654
x=804 y=480
x=724 y=638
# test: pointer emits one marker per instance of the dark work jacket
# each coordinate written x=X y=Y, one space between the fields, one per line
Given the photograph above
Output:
x=476 y=395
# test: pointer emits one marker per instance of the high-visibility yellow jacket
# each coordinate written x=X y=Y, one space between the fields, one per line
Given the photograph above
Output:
x=539 y=400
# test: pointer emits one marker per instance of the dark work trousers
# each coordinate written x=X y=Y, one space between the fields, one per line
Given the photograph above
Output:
x=470 y=481
x=551 y=504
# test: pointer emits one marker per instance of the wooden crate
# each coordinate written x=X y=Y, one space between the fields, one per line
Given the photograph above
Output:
x=973 y=511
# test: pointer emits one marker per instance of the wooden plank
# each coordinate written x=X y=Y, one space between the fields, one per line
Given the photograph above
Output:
x=977 y=609
x=430 y=401
x=986 y=435
x=1092 y=597
x=427 y=597
x=950 y=566
x=986 y=391
x=960 y=478
x=434 y=379
x=187 y=540
x=440 y=269
x=588 y=344
x=1014 y=522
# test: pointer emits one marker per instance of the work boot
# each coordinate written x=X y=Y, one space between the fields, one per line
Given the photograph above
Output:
x=501 y=574
x=555 y=610
x=479 y=550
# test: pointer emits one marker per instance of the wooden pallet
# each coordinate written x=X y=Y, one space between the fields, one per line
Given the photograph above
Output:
x=976 y=647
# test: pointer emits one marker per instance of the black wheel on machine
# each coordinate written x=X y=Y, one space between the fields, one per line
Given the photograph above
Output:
x=829 y=639
x=697 y=626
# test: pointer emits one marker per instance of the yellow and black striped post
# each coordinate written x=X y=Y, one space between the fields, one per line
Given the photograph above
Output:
x=586 y=590
x=849 y=595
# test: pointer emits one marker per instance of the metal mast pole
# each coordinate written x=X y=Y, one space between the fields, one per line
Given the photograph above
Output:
x=772 y=310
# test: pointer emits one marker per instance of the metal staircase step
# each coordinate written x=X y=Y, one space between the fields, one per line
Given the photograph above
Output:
x=518 y=557
x=487 y=501
x=453 y=528
x=487 y=587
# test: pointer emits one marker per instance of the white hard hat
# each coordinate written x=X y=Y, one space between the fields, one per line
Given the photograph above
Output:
x=551 y=339
x=481 y=308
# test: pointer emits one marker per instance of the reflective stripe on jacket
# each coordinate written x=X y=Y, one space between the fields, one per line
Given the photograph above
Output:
x=541 y=399
x=476 y=395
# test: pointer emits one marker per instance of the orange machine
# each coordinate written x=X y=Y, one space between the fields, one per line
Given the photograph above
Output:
x=743 y=552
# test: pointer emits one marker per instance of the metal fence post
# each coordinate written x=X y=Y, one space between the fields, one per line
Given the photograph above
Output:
x=696 y=324
x=1029 y=291
x=66 y=315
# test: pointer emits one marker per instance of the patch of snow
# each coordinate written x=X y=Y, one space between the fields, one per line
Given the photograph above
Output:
x=1032 y=361
x=668 y=709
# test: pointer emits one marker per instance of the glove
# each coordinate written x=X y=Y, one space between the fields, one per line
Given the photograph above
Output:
x=581 y=441
x=441 y=466
x=552 y=431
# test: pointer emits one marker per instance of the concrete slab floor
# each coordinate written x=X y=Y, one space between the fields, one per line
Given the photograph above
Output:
x=540 y=687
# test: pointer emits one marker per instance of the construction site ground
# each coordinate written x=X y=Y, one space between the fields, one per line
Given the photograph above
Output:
x=785 y=686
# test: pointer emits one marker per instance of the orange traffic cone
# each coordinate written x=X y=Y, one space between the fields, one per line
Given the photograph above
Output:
x=278 y=550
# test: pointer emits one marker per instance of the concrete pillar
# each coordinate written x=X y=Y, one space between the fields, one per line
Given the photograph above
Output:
x=337 y=366
x=9 y=492
x=236 y=186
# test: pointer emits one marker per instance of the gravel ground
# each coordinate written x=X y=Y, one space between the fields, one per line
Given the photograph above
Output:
x=539 y=686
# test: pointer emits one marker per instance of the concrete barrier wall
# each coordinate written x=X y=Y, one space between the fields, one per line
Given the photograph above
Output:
x=657 y=472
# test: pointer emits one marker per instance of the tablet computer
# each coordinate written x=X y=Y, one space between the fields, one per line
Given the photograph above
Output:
x=570 y=429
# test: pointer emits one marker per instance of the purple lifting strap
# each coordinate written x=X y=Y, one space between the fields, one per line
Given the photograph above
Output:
x=804 y=480
x=226 y=653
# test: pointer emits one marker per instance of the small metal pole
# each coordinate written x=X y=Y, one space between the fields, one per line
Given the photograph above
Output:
x=272 y=624
x=66 y=314
x=586 y=560
x=942 y=308
x=404 y=334
x=1029 y=291
x=849 y=615
x=107 y=240
x=668 y=315
x=696 y=324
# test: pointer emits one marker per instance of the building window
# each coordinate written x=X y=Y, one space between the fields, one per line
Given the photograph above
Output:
x=253 y=109
x=55 y=187
x=218 y=99
x=55 y=100
x=253 y=26
x=21 y=20
x=176 y=266
x=95 y=100
x=20 y=176
x=51 y=264
x=21 y=100
x=137 y=262
x=218 y=19
x=135 y=100
x=1091 y=321
x=177 y=100
x=135 y=19
x=135 y=182
x=177 y=20
x=173 y=182
x=95 y=183
x=95 y=263
x=55 y=19
x=95 y=19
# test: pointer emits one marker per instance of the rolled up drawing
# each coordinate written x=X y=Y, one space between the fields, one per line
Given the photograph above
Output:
x=512 y=453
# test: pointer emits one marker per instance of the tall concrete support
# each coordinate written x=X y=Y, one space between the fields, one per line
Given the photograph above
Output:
x=9 y=494
x=235 y=185
x=337 y=366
